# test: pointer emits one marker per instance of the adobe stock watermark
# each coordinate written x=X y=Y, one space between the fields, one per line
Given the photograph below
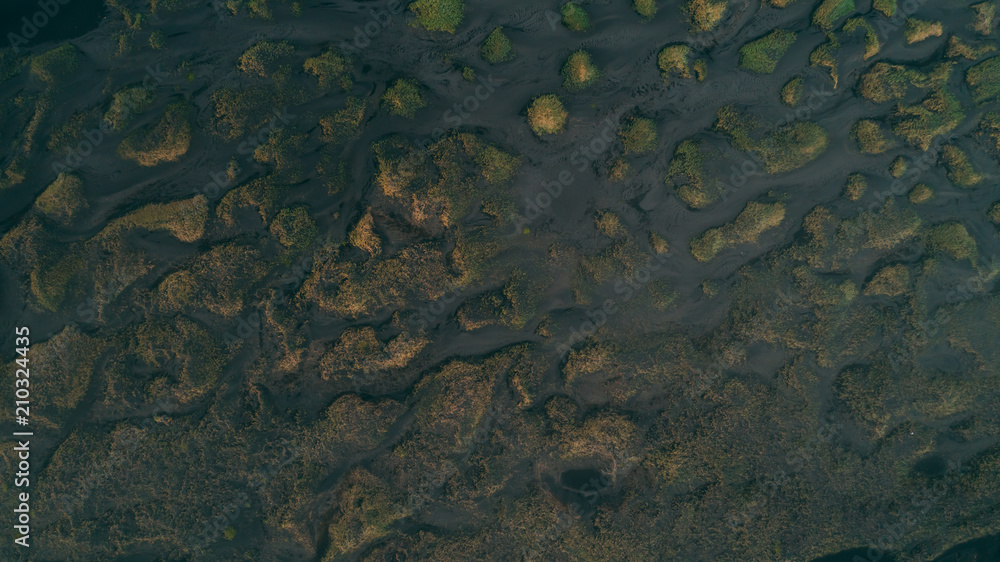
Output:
x=581 y=158
x=625 y=288
x=47 y=10
x=380 y=21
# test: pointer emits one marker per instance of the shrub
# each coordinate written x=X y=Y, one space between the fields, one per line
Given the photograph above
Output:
x=496 y=48
x=887 y=7
x=645 y=8
x=960 y=170
x=619 y=170
x=609 y=224
x=546 y=115
x=166 y=140
x=898 y=167
x=330 y=68
x=856 y=187
x=921 y=193
x=747 y=227
x=705 y=15
x=438 y=15
x=674 y=59
x=574 y=17
x=954 y=240
x=984 y=80
x=792 y=147
x=919 y=30
x=126 y=104
x=986 y=15
x=639 y=135
x=403 y=98
x=829 y=11
x=870 y=137
x=762 y=55
x=579 y=71
x=890 y=281
x=262 y=58
x=63 y=200
x=55 y=65
x=938 y=114
x=791 y=93
x=872 y=44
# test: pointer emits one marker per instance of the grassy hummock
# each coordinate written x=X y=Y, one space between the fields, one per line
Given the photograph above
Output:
x=827 y=14
x=639 y=135
x=403 y=98
x=546 y=115
x=762 y=55
x=579 y=71
x=754 y=220
x=674 y=60
x=870 y=137
x=574 y=17
x=496 y=48
x=438 y=15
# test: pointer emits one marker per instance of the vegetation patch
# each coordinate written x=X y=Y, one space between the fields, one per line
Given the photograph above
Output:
x=887 y=7
x=579 y=71
x=762 y=55
x=952 y=239
x=754 y=220
x=986 y=17
x=984 y=80
x=166 y=140
x=56 y=65
x=438 y=15
x=574 y=17
x=920 y=123
x=126 y=104
x=63 y=200
x=960 y=170
x=674 y=60
x=890 y=281
x=855 y=187
x=829 y=11
x=496 y=48
x=870 y=137
x=705 y=15
x=791 y=93
x=645 y=8
x=639 y=135
x=404 y=98
x=330 y=69
x=919 y=30
x=921 y=193
x=546 y=115
x=872 y=44
x=792 y=147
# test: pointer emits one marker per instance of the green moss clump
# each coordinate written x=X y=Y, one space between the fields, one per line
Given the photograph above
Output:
x=920 y=123
x=705 y=15
x=898 y=167
x=496 y=48
x=829 y=11
x=63 y=200
x=754 y=220
x=960 y=170
x=403 y=98
x=954 y=240
x=986 y=17
x=645 y=8
x=330 y=68
x=921 y=193
x=56 y=65
x=674 y=60
x=574 y=17
x=984 y=80
x=870 y=137
x=855 y=187
x=890 y=281
x=639 y=135
x=872 y=44
x=791 y=93
x=762 y=55
x=919 y=30
x=792 y=147
x=546 y=115
x=166 y=140
x=126 y=104
x=887 y=7
x=438 y=15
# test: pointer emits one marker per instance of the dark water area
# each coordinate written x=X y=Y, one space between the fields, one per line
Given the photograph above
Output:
x=30 y=23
